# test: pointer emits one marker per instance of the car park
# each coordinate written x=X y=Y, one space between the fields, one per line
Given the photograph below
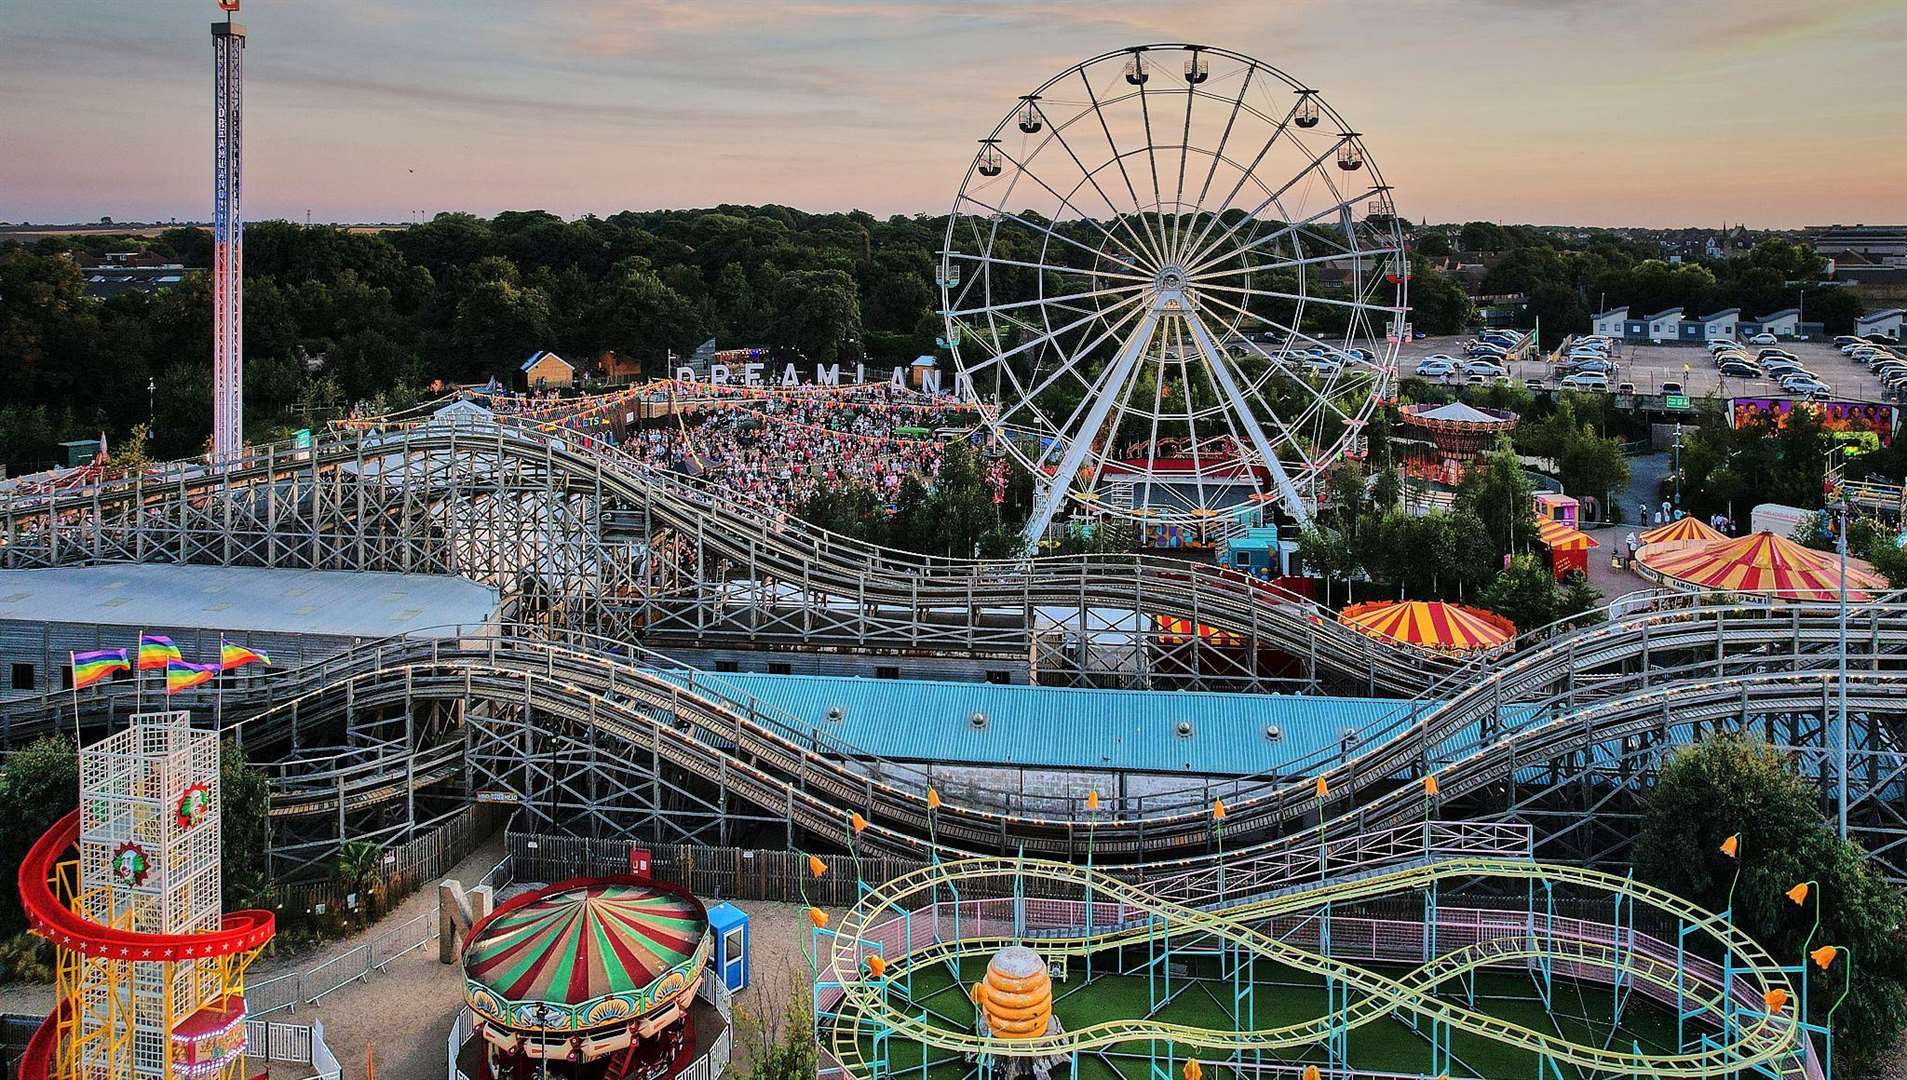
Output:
x=1763 y=339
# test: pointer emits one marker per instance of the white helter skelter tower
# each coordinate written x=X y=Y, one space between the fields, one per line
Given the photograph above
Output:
x=1175 y=284
x=141 y=869
x=228 y=240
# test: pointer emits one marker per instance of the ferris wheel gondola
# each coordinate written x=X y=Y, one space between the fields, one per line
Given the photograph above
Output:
x=1173 y=302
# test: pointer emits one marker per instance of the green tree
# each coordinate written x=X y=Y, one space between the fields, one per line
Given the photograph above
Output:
x=1731 y=784
x=39 y=787
x=1524 y=593
x=245 y=829
x=1500 y=495
x=357 y=867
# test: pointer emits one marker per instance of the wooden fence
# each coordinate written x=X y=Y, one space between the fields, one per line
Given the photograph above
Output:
x=717 y=873
x=417 y=863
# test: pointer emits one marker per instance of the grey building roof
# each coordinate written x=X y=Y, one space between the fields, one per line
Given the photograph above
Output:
x=1722 y=314
x=335 y=603
x=1782 y=314
x=1665 y=313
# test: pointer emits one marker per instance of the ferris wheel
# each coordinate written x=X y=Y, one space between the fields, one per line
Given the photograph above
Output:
x=1177 y=280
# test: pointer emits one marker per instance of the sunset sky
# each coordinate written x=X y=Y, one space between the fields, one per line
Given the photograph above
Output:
x=1772 y=112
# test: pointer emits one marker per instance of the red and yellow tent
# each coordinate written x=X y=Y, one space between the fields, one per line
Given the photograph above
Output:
x=1568 y=546
x=1431 y=625
x=1762 y=564
x=1677 y=535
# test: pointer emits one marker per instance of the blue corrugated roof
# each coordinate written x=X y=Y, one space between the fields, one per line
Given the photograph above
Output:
x=1064 y=727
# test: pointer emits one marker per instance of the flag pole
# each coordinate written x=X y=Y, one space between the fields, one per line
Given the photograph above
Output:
x=72 y=676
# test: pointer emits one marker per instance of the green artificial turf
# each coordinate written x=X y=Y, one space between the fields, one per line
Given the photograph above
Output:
x=1279 y=995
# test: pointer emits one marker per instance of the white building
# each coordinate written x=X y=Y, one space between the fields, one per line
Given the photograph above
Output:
x=1720 y=325
x=1886 y=323
x=1666 y=325
x=1609 y=323
x=1783 y=323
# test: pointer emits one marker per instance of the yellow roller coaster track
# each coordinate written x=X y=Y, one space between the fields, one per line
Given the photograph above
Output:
x=1754 y=1035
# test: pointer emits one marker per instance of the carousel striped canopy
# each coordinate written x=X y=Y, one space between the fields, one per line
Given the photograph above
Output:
x=1431 y=625
x=1685 y=531
x=1762 y=564
x=582 y=943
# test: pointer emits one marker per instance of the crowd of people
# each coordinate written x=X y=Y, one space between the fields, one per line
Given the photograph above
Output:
x=780 y=448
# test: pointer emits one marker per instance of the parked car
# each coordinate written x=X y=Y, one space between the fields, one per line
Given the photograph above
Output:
x=1435 y=369
x=1600 y=367
x=1485 y=367
x=1626 y=388
x=1586 y=380
x=1734 y=370
x=1763 y=339
x=1671 y=387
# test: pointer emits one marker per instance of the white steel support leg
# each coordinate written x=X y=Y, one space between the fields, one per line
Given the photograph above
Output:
x=1109 y=392
x=1222 y=372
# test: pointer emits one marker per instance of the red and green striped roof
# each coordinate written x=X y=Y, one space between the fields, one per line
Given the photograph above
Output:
x=583 y=942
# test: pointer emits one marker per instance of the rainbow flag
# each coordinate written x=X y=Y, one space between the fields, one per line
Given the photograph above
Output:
x=98 y=666
x=156 y=651
x=184 y=675
x=237 y=656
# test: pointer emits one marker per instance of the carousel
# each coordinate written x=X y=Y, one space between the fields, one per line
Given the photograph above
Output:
x=1761 y=565
x=1679 y=535
x=1430 y=626
x=593 y=978
x=1457 y=435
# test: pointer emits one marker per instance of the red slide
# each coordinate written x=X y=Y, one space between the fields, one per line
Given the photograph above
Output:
x=54 y=921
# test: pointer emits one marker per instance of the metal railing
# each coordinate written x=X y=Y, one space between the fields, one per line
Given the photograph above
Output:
x=308 y=986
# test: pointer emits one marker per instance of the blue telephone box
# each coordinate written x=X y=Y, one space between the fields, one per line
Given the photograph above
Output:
x=730 y=926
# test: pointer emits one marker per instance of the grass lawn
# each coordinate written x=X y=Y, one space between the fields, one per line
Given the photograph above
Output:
x=1280 y=995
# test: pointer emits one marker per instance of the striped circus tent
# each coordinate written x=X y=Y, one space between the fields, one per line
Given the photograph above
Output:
x=1761 y=564
x=1676 y=535
x=1430 y=625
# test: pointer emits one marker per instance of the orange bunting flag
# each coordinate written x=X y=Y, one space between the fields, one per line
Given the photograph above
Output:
x=1798 y=894
x=1192 y=1070
x=1823 y=956
x=818 y=917
x=1323 y=788
x=1218 y=809
x=876 y=965
x=933 y=799
x=1775 y=999
x=816 y=866
x=859 y=822
x=1731 y=845
x=1430 y=786
x=1092 y=800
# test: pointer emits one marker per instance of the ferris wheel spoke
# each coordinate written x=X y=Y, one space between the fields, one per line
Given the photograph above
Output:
x=1152 y=160
x=1289 y=264
x=1198 y=261
x=1068 y=204
x=1052 y=268
x=1069 y=366
x=1221 y=371
x=1000 y=356
x=1289 y=228
x=1185 y=150
x=1119 y=217
x=1304 y=297
x=1081 y=444
x=1119 y=159
x=1341 y=353
x=1218 y=155
x=1246 y=174
x=1112 y=290
x=1047 y=231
